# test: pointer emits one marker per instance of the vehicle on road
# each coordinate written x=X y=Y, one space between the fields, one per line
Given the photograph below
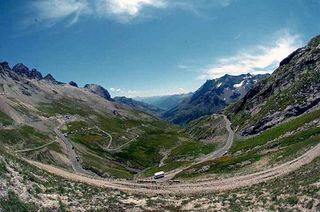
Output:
x=158 y=175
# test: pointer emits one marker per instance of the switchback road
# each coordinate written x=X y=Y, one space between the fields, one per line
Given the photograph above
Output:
x=74 y=159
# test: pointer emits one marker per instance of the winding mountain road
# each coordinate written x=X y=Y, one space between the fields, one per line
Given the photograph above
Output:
x=74 y=159
x=107 y=134
x=110 y=141
x=202 y=186
x=214 y=155
x=222 y=151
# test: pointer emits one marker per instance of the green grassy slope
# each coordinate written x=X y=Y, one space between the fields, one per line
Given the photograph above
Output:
x=271 y=146
x=5 y=120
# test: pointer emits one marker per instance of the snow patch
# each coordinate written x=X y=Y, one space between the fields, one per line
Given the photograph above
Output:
x=219 y=84
x=239 y=85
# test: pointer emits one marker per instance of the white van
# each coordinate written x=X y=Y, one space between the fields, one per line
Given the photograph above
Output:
x=158 y=175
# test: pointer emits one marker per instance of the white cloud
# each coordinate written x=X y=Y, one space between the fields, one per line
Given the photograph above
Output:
x=182 y=66
x=116 y=90
x=125 y=10
x=260 y=59
x=122 y=92
x=51 y=12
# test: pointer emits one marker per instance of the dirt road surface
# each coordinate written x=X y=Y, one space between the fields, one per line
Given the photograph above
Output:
x=74 y=159
x=109 y=149
x=36 y=148
x=201 y=186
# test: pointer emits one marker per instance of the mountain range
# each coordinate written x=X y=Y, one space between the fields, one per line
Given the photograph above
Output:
x=165 y=102
x=139 y=105
x=61 y=145
x=212 y=97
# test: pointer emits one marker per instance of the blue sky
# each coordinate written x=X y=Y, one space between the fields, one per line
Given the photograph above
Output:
x=153 y=47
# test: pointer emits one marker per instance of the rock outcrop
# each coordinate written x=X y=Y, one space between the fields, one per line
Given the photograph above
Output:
x=50 y=78
x=98 y=90
x=74 y=84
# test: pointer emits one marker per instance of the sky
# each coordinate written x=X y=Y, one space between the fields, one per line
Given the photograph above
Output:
x=153 y=47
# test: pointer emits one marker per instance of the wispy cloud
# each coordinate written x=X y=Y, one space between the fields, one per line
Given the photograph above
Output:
x=259 y=59
x=123 y=92
x=116 y=90
x=126 y=10
x=50 y=12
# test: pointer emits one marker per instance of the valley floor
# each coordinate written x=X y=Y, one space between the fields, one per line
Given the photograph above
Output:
x=200 y=186
x=25 y=188
x=29 y=184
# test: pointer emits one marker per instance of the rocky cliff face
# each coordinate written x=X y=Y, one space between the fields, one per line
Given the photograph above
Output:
x=292 y=89
x=98 y=90
x=213 y=97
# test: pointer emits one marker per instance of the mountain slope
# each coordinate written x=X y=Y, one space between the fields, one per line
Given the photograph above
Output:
x=79 y=129
x=164 y=102
x=292 y=89
x=212 y=97
x=138 y=105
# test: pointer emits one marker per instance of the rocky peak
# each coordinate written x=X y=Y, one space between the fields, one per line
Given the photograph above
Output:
x=98 y=90
x=50 y=78
x=72 y=83
x=5 y=65
x=35 y=74
x=24 y=71
x=20 y=68
x=212 y=97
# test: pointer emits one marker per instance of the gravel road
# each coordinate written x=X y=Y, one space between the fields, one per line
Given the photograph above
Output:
x=189 y=187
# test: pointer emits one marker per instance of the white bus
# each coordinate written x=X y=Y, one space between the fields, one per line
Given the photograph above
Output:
x=158 y=175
